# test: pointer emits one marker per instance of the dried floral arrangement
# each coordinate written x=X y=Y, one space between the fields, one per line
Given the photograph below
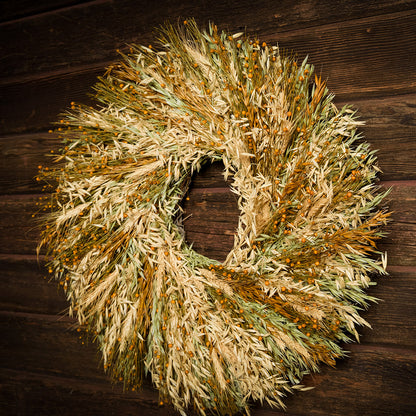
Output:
x=214 y=336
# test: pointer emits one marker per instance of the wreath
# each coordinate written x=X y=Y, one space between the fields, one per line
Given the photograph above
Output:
x=214 y=335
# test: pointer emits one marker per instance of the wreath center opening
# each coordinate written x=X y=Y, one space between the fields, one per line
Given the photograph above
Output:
x=211 y=213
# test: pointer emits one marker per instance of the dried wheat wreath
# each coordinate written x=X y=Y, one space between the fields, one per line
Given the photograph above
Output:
x=214 y=335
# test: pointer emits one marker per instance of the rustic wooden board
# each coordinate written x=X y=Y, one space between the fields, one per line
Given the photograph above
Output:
x=41 y=335
x=330 y=48
x=400 y=242
x=25 y=286
x=81 y=35
x=220 y=208
x=19 y=231
x=379 y=381
x=34 y=105
x=31 y=394
x=26 y=393
x=212 y=216
x=392 y=317
x=18 y=9
x=55 y=351
x=358 y=57
x=402 y=203
x=20 y=158
x=390 y=128
x=52 y=55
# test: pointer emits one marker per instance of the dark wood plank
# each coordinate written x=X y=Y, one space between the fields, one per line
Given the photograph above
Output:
x=363 y=57
x=34 y=105
x=211 y=212
x=28 y=394
x=400 y=242
x=30 y=339
x=24 y=393
x=17 y=9
x=392 y=317
x=20 y=157
x=20 y=234
x=390 y=128
x=206 y=220
x=19 y=231
x=25 y=286
x=370 y=382
x=371 y=58
x=45 y=347
x=357 y=64
x=81 y=35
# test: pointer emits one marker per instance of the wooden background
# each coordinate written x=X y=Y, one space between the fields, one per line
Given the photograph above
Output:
x=52 y=51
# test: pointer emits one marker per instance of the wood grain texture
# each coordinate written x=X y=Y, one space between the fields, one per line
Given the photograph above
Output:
x=203 y=225
x=25 y=286
x=343 y=53
x=23 y=393
x=340 y=54
x=18 y=9
x=34 y=105
x=53 y=52
x=211 y=223
x=391 y=318
x=401 y=231
x=387 y=370
x=20 y=158
x=390 y=128
x=19 y=230
x=77 y=36
x=346 y=391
